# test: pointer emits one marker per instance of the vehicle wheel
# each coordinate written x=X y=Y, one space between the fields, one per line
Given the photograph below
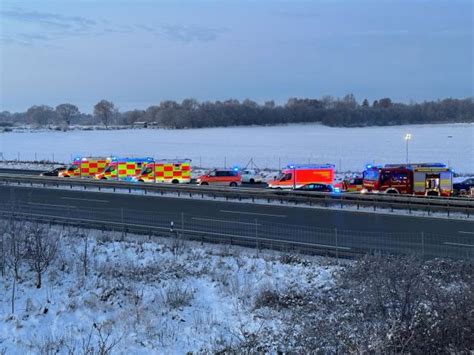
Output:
x=392 y=192
x=103 y=178
x=432 y=193
x=233 y=184
x=252 y=181
x=204 y=183
x=175 y=181
x=462 y=192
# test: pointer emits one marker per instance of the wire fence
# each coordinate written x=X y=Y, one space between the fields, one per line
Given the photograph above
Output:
x=198 y=161
x=252 y=232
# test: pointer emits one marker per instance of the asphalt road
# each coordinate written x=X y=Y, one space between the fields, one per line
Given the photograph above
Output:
x=332 y=229
x=20 y=171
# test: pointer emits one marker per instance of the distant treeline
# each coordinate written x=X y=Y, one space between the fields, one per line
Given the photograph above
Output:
x=190 y=113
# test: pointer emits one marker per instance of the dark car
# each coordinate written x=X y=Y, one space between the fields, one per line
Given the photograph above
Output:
x=316 y=188
x=54 y=172
x=463 y=187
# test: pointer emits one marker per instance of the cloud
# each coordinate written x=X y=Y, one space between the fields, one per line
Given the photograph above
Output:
x=183 y=33
x=46 y=19
x=44 y=28
x=191 y=33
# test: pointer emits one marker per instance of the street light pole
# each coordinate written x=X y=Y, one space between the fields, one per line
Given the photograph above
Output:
x=407 y=139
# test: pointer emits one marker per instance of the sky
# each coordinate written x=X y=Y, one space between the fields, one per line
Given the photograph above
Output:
x=138 y=53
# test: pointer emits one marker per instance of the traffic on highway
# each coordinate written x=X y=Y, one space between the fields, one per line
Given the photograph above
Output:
x=423 y=179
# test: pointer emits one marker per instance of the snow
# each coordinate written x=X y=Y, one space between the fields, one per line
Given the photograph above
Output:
x=160 y=296
x=270 y=147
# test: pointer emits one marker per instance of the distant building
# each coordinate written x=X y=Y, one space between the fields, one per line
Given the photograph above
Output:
x=140 y=124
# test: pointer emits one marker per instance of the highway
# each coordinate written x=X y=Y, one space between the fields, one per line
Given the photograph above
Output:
x=20 y=171
x=324 y=229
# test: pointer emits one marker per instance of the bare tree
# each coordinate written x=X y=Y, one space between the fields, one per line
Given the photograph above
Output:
x=40 y=115
x=85 y=254
x=106 y=341
x=105 y=111
x=42 y=248
x=66 y=112
x=15 y=247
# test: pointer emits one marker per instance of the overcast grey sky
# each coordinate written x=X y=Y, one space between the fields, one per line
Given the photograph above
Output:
x=138 y=53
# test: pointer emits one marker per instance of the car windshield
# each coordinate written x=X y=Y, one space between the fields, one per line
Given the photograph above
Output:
x=109 y=169
x=371 y=175
x=71 y=167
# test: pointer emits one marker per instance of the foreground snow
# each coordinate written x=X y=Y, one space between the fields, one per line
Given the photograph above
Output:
x=112 y=293
x=165 y=296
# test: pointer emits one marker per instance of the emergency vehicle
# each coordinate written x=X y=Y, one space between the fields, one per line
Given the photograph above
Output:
x=173 y=171
x=85 y=167
x=430 y=179
x=295 y=176
x=225 y=177
x=123 y=168
x=353 y=184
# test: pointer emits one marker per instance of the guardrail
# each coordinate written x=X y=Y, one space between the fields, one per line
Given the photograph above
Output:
x=255 y=233
x=428 y=204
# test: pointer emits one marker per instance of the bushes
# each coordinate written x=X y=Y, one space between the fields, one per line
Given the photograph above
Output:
x=389 y=304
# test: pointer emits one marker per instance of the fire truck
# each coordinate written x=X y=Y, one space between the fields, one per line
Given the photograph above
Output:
x=123 y=168
x=85 y=167
x=295 y=176
x=173 y=171
x=430 y=179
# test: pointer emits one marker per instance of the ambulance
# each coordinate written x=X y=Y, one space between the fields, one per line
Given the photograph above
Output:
x=123 y=168
x=85 y=167
x=429 y=179
x=171 y=171
x=295 y=176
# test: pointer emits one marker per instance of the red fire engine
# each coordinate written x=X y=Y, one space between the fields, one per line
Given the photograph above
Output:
x=430 y=179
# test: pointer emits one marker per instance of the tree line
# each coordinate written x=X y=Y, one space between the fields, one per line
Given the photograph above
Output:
x=336 y=112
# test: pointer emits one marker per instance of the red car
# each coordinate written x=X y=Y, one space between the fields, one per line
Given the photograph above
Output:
x=226 y=177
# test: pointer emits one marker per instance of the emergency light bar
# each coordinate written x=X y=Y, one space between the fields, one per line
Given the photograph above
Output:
x=311 y=166
x=135 y=160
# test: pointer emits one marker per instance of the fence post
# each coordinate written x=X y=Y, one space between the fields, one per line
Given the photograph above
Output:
x=256 y=234
x=423 y=243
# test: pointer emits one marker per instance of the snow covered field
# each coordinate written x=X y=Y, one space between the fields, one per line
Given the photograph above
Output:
x=103 y=295
x=270 y=147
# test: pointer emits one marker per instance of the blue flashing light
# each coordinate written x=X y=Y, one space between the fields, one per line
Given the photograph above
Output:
x=368 y=166
x=235 y=168
x=310 y=166
x=337 y=190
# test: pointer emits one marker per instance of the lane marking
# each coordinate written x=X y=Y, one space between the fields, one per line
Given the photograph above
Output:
x=464 y=232
x=48 y=204
x=255 y=214
x=84 y=199
x=224 y=221
x=459 y=244
x=195 y=231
